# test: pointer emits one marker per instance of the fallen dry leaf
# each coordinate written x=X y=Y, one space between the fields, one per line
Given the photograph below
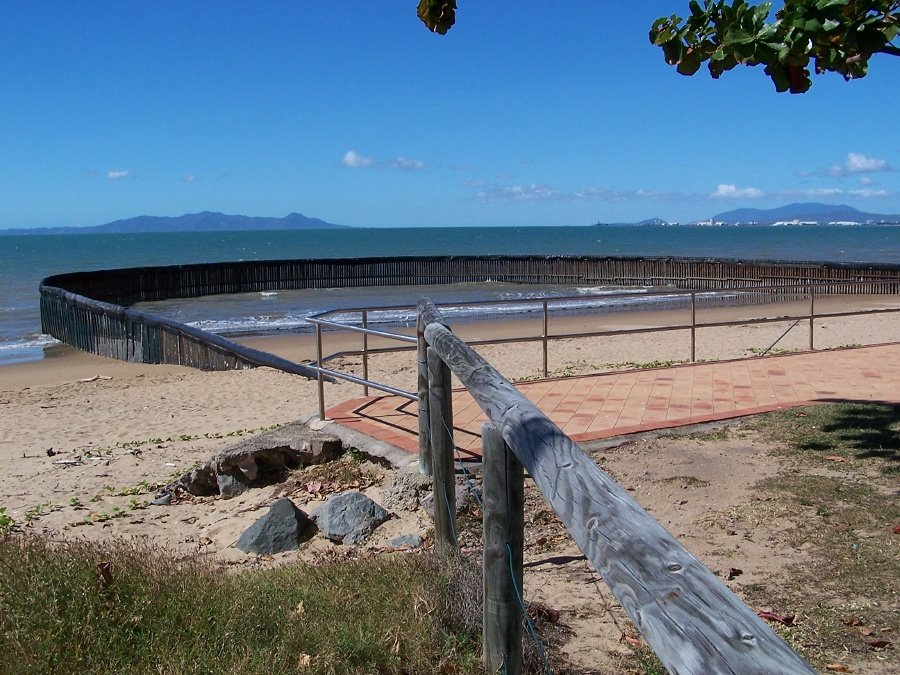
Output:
x=852 y=621
x=539 y=611
x=897 y=529
x=733 y=572
x=838 y=668
x=880 y=643
x=836 y=458
x=786 y=619
x=632 y=640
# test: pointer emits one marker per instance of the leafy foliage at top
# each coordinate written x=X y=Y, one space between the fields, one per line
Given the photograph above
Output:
x=438 y=15
x=835 y=35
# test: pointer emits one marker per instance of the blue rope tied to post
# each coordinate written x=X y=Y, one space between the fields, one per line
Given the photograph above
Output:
x=528 y=623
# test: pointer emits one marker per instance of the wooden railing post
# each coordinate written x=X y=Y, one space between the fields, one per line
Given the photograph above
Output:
x=440 y=404
x=504 y=539
x=425 y=462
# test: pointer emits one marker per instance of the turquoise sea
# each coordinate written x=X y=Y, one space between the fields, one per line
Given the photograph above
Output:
x=26 y=259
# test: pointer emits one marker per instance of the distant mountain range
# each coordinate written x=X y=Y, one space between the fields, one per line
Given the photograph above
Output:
x=206 y=221
x=805 y=213
x=810 y=213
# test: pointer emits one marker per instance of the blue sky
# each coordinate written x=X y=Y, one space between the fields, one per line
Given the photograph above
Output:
x=562 y=114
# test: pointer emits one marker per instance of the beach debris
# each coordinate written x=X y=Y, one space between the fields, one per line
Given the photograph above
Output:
x=350 y=517
x=67 y=462
x=405 y=541
x=259 y=461
x=786 y=619
x=281 y=529
x=733 y=572
x=162 y=498
x=95 y=378
x=51 y=452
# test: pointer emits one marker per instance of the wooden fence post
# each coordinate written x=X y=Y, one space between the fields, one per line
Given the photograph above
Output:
x=440 y=404
x=425 y=462
x=504 y=540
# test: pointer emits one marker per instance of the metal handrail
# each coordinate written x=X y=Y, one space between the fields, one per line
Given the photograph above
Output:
x=808 y=290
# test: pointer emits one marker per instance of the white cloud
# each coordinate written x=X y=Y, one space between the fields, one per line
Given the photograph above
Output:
x=726 y=191
x=865 y=180
x=406 y=164
x=190 y=178
x=116 y=175
x=356 y=161
x=817 y=193
x=520 y=193
x=857 y=162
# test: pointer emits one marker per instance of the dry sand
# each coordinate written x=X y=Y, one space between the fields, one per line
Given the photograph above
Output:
x=117 y=430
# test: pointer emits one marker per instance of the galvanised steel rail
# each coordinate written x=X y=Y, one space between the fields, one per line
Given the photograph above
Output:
x=689 y=299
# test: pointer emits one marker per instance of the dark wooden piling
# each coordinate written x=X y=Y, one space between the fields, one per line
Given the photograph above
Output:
x=89 y=309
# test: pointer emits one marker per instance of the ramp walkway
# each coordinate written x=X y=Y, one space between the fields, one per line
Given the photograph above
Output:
x=594 y=407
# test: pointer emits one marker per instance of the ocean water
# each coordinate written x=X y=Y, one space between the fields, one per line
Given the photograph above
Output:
x=25 y=260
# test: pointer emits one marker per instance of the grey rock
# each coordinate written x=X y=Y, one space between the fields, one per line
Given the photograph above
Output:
x=282 y=528
x=465 y=499
x=405 y=541
x=349 y=517
x=405 y=490
x=230 y=486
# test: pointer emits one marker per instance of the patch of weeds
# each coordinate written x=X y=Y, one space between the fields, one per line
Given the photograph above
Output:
x=772 y=351
x=686 y=481
x=41 y=509
x=861 y=431
x=6 y=522
x=140 y=613
x=838 y=591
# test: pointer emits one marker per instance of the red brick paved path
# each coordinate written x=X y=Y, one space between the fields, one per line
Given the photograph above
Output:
x=599 y=406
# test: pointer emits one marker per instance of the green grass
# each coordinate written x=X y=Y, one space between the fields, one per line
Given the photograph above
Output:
x=855 y=431
x=61 y=613
x=839 y=492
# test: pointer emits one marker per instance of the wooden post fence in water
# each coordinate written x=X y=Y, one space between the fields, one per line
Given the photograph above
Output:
x=693 y=622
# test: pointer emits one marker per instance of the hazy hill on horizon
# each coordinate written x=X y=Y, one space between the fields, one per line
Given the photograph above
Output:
x=808 y=211
x=205 y=221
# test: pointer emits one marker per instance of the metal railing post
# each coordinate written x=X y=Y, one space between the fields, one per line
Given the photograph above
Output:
x=544 y=338
x=365 y=351
x=693 y=326
x=812 y=314
x=320 y=377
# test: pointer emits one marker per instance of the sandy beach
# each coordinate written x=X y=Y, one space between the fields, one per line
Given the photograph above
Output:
x=86 y=441
x=142 y=424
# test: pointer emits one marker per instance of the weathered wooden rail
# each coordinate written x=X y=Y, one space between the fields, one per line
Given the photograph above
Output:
x=87 y=309
x=690 y=619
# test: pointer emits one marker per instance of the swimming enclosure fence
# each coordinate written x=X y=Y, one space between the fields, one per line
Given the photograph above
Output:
x=90 y=310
